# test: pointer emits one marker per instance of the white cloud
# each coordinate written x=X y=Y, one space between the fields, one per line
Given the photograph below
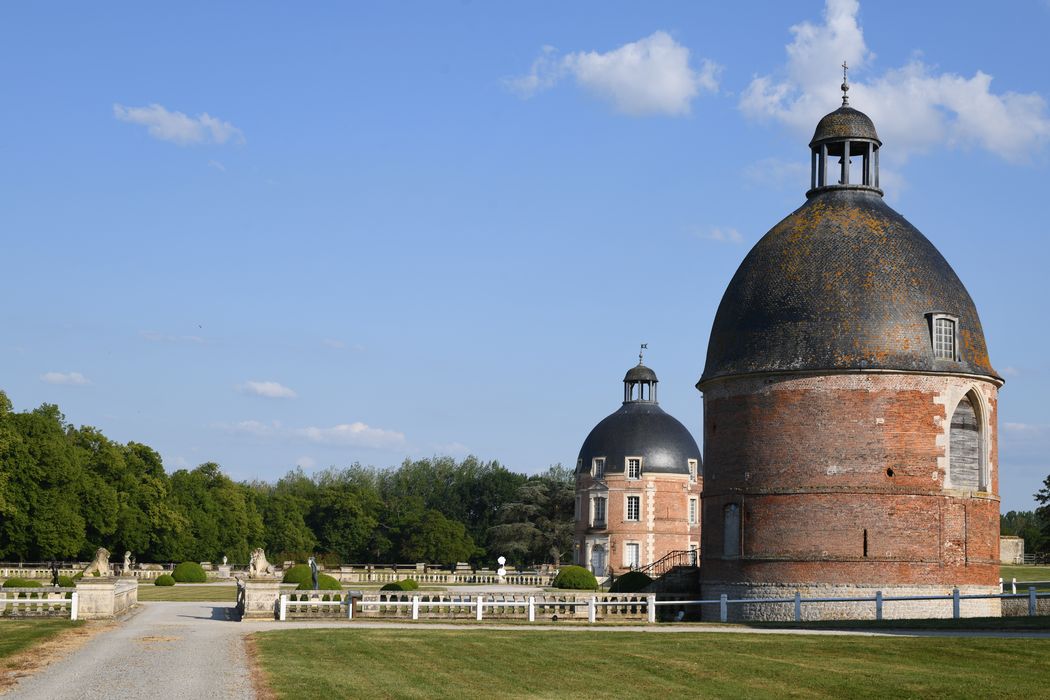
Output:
x=217 y=165
x=271 y=390
x=915 y=107
x=67 y=378
x=356 y=434
x=722 y=235
x=648 y=76
x=178 y=127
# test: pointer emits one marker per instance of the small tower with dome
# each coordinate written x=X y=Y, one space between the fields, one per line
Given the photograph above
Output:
x=638 y=482
x=850 y=408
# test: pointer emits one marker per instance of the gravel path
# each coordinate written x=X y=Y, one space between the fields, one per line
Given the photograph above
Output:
x=196 y=650
x=165 y=650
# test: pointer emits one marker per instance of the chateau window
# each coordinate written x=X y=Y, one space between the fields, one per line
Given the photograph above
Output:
x=634 y=507
x=599 y=512
x=945 y=332
x=965 y=447
x=692 y=469
x=632 y=555
x=692 y=511
x=634 y=467
x=598 y=468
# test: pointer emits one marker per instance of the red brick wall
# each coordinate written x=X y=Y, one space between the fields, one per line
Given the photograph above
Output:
x=816 y=461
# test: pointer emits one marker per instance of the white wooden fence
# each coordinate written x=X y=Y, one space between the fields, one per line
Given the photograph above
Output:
x=607 y=607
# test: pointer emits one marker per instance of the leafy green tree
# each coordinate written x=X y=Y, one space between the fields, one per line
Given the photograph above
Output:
x=1042 y=514
x=1023 y=524
x=437 y=540
x=538 y=525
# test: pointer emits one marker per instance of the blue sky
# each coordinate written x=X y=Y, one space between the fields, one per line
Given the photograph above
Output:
x=266 y=234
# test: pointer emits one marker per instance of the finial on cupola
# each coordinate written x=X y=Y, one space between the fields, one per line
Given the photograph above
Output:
x=845 y=85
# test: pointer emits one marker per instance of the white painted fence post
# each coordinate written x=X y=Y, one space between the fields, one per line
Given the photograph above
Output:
x=481 y=602
x=532 y=608
x=1000 y=584
x=74 y=606
x=349 y=606
x=1032 y=602
x=415 y=607
x=723 y=608
x=592 y=609
x=955 y=603
x=878 y=605
x=283 y=614
x=1013 y=586
x=798 y=606
x=650 y=607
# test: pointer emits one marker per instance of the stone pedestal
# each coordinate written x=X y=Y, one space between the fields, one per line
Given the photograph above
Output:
x=223 y=571
x=260 y=598
x=105 y=598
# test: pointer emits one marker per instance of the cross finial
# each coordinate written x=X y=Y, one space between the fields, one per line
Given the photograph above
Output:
x=645 y=346
x=845 y=85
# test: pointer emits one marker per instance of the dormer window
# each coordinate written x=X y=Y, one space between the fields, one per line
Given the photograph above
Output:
x=692 y=469
x=598 y=468
x=634 y=467
x=945 y=331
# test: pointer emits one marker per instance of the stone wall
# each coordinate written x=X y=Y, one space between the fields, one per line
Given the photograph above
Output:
x=1011 y=550
x=106 y=598
x=847 y=610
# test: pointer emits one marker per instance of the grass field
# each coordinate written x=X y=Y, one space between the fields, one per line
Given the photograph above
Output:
x=1024 y=573
x=186 y=592
x=18 y=635
x=487 y=663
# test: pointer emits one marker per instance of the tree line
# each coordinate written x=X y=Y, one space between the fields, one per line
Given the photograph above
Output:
x=65 y=491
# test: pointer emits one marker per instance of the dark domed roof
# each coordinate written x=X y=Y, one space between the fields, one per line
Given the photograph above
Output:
x=640 y=429
x=843 y=283
x=845 y=122
x=640 y=373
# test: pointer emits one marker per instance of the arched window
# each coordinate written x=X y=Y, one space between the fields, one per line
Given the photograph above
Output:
x=965 y=464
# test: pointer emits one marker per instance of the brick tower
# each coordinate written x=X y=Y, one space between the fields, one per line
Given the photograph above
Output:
x=850 y=422
x=638 y=481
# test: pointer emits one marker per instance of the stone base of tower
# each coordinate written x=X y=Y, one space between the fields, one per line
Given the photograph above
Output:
x=857 y=610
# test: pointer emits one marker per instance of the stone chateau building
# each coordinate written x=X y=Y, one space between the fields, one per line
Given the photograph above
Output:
x=850 y=421
x=638 y=482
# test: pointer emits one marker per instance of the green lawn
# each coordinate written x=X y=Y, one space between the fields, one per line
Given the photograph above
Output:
x=485 y=663
x=186 y=592
x=16 y=635
x=1024 y=573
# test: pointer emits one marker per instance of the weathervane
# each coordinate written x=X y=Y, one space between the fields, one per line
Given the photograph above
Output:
x=845 y=85
x=645 y=346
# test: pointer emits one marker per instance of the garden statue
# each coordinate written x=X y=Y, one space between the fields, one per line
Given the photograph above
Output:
x=224 y=560
x=54 y=573
x=127 y=563
x=100 y=565
x=258 y=567
x=313 y=572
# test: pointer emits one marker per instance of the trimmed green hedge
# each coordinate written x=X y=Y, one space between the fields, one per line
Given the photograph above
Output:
x=575 y=578
x=189 y=572
x=631 y=582
x=21 y=583
x=66 y=582
x=300 y=574
x=409 y=584
x=164 y=580
x=324 y=583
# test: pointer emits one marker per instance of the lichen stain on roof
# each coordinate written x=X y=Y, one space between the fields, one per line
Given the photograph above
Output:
x=844 y=282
